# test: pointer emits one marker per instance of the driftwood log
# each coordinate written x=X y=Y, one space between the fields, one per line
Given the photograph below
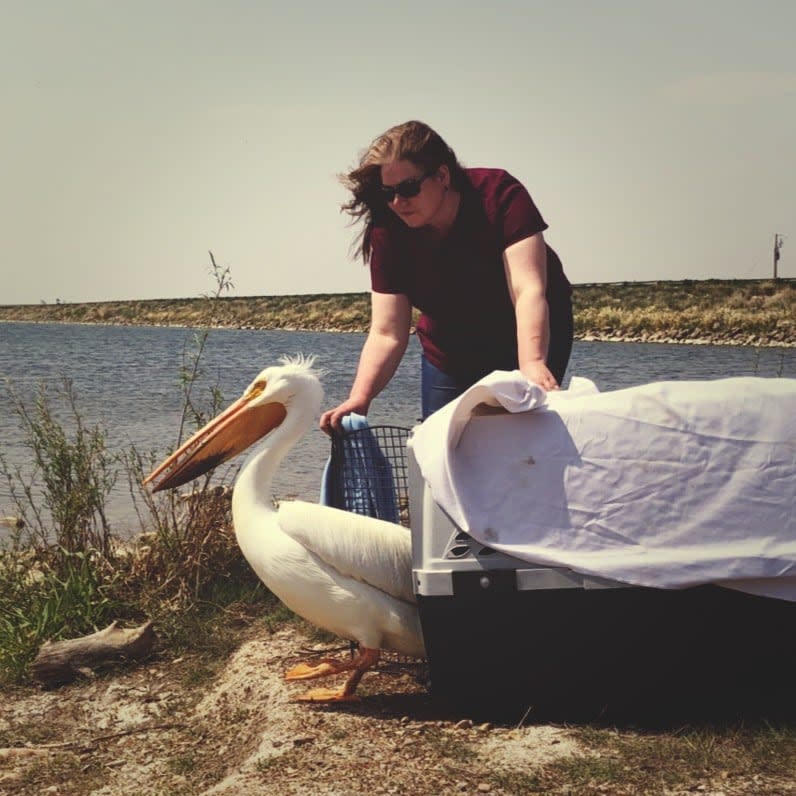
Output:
x=60 y=662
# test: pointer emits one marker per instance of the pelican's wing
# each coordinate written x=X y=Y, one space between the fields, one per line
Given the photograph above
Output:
x=373 y=551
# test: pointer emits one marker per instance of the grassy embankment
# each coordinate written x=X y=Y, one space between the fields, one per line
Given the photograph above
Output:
x=735 y=312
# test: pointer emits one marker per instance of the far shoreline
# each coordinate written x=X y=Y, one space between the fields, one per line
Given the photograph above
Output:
x=753 y=312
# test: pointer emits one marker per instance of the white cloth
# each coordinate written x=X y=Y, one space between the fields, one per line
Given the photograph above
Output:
x=666 y=485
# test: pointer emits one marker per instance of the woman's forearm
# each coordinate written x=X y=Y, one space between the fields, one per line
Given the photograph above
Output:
x=380 y=357
x=526 y=273
x=385 y=344
x=533 y=327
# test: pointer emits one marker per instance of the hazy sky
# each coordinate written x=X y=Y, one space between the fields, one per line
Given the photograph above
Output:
x=657 y=138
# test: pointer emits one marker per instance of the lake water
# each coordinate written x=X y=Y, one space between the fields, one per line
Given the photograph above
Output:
x=126 y=380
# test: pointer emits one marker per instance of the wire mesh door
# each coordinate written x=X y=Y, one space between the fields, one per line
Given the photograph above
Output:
x=369 y=472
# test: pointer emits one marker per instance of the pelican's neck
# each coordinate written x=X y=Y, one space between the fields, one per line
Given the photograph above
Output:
x=251 y=497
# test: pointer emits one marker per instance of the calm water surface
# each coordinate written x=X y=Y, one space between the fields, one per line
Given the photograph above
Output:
x=126 y=379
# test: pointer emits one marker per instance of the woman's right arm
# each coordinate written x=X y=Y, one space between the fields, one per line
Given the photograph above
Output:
x=391 y=318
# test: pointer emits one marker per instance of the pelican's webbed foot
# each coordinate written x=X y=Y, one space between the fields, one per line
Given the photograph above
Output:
x=327 y=695
x=357 y=665
x=323 y=668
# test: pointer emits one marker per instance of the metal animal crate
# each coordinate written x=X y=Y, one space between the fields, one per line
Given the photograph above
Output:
x=369 y=472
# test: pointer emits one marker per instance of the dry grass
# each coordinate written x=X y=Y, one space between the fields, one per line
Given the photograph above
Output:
x=753 y=312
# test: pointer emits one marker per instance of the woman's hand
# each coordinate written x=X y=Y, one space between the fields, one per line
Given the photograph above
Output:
x=538 y=373
x=332 y=419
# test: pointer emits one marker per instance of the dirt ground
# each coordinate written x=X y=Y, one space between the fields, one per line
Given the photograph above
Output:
x=170 y=729
x=178 y=729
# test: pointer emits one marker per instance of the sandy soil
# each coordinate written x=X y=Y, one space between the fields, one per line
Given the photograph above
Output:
x=166 y=729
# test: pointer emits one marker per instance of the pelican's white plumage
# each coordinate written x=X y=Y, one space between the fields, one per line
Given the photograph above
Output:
x=340 y=571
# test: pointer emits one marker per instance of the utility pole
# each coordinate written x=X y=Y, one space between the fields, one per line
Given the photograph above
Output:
x=777 y=248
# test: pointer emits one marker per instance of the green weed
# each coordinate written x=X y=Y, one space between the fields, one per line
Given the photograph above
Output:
x=64 y=574
x=62 y=500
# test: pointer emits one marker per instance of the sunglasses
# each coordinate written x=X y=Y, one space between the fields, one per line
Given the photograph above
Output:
x=406 y=189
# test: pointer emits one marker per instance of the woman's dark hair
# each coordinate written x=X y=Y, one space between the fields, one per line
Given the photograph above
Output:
x=413 y=141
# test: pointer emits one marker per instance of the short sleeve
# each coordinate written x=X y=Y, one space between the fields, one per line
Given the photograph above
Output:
x=517 y=215
x=386 y=275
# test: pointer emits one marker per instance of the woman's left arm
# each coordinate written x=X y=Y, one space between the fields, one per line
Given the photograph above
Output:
x=525 y=264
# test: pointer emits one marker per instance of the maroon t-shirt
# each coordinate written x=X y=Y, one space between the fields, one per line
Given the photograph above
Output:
x=467 y=326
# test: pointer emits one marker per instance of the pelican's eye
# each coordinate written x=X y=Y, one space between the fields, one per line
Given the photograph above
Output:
x=256 y=389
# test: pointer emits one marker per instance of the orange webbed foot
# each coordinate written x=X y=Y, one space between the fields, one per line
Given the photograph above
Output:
x=358 y=665
x=328 y=695
x=323 y=668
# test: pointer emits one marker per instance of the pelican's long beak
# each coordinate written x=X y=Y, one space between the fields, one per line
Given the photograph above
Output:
x=227 y=435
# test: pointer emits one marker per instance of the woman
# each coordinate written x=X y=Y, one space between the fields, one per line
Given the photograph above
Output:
x=465 y=247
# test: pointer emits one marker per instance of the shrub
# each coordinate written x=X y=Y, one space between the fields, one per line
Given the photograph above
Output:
x=64 y=574
x=73 y=473
x=56 y=573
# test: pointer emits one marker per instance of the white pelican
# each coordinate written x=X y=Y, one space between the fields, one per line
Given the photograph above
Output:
x=349 y=574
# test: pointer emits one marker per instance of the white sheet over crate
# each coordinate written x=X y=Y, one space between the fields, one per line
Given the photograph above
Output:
x=667 y=485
